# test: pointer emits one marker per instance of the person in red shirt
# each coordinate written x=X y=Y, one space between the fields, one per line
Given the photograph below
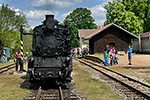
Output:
x=18 y=60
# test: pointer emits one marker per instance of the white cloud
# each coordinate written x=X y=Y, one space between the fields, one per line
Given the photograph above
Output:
x=30 y=14
x=100 y=22
x=55 y=4
x=35 y=17
x=16 y=10
x=61 y=17
x=106 y=2
x=99 y=13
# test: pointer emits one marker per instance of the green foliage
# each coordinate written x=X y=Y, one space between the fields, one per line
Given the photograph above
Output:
x=116 y=13
x=15 y=43
x=141 y=8
x=27 y=43
x=80 y=18
x=10 y=23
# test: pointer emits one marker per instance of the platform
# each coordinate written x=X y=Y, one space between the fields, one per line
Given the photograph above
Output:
x=25 y=67
x=139 y=61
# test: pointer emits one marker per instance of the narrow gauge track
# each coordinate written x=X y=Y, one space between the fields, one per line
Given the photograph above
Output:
x=131 y=88
x=7 y=68
x=51 y=94
x=48 y=94
x=57 y=93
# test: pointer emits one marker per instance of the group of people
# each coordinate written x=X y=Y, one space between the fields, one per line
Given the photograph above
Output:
x=110 y=57
x=79 y=52
x=3 y=59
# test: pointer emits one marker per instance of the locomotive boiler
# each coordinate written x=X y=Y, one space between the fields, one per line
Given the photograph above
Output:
x=51 y=58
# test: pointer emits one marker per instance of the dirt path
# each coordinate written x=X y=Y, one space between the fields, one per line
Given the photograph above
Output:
x=139 y=61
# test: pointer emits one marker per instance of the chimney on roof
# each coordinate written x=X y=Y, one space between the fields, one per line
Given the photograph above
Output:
x=99 y=26
x=102 y=25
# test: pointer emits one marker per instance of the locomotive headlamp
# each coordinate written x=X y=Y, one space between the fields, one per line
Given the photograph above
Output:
x=50 y=23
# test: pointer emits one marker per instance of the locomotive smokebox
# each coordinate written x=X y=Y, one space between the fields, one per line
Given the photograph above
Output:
x=49 y=17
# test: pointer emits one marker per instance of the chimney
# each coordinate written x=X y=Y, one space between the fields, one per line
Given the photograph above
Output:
x=99 y=26
x=102 y=25
x=49 y=17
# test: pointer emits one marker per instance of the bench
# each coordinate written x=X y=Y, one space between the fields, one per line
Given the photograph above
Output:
x=121 y=53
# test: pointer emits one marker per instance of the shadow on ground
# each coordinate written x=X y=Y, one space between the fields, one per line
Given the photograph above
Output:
x=26 y=84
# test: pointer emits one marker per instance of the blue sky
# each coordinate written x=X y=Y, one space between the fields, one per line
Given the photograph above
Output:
x=35 y=10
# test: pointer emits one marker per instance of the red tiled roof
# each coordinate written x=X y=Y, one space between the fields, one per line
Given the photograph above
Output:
x=85 y=32
x=107 y=26
x=96 y=31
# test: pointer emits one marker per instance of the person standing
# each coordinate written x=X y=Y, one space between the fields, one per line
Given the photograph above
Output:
x=129 y=52
x=111 y=59
x=116 y=60
x=87 y=50
x=107 y=49
x=106 y=58
x=18 y=60
x=113 y=52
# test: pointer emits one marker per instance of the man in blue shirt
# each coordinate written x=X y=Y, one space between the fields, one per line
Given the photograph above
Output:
x=129 y=51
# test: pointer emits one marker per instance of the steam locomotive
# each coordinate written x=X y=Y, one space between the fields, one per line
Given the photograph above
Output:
x=51 y=58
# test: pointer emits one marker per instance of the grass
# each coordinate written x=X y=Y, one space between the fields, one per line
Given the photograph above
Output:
x=13 y=87
x=90 y=88
x=120 y=70
x=148 y=81
x=131 y=73
x=98 y=54
x=6 y=63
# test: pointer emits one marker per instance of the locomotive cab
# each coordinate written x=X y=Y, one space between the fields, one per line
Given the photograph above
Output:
x=51 y=59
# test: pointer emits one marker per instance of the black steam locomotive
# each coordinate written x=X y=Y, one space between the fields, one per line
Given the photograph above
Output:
x=51 y=55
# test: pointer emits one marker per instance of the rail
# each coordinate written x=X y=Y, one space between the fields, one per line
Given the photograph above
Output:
x=143 y=89
x=8 y=67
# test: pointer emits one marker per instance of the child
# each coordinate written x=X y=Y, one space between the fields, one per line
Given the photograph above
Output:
x=116 y=60
x=111 y=59
x=105 y=58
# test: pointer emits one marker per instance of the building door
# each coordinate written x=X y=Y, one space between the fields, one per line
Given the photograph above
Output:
x=111 y=44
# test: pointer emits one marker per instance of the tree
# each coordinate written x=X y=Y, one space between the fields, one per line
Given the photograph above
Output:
x=141 y=8
x=80 y=18
x=116 y=13
x=27 y=42
x=10 y=21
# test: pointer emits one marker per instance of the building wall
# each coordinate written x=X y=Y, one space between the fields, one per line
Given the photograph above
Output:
x=85 y=43
x=145 y=45
x=141 y=45
x=111 y=36
x=135 y=45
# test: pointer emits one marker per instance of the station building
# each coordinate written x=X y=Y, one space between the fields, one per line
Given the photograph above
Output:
x=111 y=34
x=141 y=45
